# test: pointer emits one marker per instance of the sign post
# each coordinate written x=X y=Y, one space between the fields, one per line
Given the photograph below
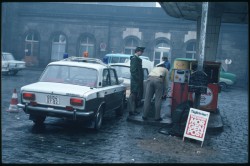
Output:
x=196 y=124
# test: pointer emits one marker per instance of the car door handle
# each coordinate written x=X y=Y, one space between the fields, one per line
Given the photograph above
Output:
x=115 y=90
x=105 y=93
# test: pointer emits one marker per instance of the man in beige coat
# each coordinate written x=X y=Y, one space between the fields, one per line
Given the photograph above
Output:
x=157 y=84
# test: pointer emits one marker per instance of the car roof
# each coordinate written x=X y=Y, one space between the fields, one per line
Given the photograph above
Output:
x=119 y=55
x=126 y=56
x=81 y=62
x=120 y=64
x=6 y=53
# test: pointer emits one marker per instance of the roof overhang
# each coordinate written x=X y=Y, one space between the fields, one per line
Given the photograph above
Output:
x=230 y=12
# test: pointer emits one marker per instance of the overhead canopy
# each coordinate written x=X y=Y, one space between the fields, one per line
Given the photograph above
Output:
x=230 y=12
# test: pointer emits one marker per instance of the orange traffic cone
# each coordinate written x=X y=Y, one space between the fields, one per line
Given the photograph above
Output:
x=13 y=103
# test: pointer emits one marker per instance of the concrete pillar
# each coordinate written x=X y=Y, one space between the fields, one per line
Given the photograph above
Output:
x=212 y=32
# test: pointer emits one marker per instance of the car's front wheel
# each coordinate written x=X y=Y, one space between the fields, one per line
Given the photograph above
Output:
x=98 y=119
x=12 y=72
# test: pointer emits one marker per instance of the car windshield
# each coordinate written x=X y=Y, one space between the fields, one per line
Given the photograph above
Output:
x=70 y=75
x=122 y=71
x=7 y=57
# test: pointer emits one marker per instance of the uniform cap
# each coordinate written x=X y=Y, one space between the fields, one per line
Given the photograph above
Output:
x=139 y=49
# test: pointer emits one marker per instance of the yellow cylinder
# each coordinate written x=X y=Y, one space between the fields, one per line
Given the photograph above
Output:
x=179 y=64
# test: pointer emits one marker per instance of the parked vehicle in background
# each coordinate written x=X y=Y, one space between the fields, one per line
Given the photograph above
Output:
x=123 y=71
x=76 y=88
x=10 y=66
x=226 y=79
x=119 y=58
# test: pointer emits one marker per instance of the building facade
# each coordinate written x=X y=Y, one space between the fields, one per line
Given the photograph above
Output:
x=42 y=32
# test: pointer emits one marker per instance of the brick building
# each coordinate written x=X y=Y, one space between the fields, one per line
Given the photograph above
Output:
x=45 y=31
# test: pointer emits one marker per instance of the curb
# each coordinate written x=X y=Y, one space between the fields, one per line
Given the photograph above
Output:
x=214 y=123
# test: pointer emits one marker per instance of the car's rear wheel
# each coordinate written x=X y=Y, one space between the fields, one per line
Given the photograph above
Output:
x=119 y=111
x=98 y=119
x=223 y=86
x=12 y=72
x=38 y=120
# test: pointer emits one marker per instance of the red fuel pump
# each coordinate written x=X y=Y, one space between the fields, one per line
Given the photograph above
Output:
x=180 y=76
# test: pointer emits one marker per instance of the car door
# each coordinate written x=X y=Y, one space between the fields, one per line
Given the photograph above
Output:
x=117 y=95
x=108 y=89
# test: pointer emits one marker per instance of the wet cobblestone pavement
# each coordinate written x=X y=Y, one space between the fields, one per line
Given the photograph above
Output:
x=119 y=141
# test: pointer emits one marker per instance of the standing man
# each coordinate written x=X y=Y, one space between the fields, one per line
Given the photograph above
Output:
x=136 y=81
x=157 y=83
x=166 y=62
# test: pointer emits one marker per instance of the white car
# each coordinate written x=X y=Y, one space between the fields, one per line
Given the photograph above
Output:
x=10 y=66
x=76 y=88
x=123 y=72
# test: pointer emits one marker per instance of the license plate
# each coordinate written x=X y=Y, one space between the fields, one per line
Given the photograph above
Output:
x=52 y=99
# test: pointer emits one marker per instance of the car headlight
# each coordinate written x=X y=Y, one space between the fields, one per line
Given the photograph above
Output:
x=21 y=65
x=5 y=65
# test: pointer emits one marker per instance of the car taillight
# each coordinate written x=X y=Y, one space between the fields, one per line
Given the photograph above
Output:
x=29 y=96
x=76 y=102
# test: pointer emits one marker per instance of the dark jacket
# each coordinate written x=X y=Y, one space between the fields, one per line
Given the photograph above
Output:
x=167 y=64
x=136 y=80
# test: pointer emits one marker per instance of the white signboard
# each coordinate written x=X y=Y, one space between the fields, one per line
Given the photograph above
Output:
x=196 y=124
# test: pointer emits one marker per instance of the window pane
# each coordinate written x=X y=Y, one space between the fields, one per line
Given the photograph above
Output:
x=165 y=54
x=122 y=71
x=188 y=55
x=130 y=45
x=156 y=62
x=163 y=44
x=157 y=55
x=191 y=46
x=114 y=60
x=127 y=51
x=113 y=78
x=105 y=81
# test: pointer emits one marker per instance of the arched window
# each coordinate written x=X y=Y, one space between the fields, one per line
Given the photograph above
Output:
x=58 y=47
x=191 y=50
x=162 y=48
x=130 y=45
x=86 y=45
x=31 y=44
x=31 y=49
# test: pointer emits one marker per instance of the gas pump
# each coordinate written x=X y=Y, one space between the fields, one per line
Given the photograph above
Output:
x=180 y=76
x=187 y=81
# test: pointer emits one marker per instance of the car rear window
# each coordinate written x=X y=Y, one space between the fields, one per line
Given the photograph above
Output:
x=7 y=57
x=70 y=75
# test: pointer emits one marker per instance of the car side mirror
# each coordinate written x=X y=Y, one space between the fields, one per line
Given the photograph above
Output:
x=120 y=80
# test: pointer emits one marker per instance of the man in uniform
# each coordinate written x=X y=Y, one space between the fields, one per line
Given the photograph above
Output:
x=136 y=81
